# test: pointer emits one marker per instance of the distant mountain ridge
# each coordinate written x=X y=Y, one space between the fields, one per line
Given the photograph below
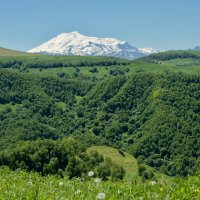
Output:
x=74 y=43
x=197 y=48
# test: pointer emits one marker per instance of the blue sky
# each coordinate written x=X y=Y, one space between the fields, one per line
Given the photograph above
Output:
x=160 y=24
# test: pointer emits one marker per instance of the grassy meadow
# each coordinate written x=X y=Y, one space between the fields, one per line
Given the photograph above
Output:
x=27 y=186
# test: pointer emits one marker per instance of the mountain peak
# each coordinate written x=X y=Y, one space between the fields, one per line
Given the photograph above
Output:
x=74 y=34
x=74 y=43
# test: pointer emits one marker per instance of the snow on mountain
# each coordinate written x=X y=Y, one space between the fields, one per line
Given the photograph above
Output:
x=148 y=51
x=74 y=43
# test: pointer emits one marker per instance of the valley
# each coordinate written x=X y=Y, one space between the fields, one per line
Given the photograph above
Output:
x=141 y=116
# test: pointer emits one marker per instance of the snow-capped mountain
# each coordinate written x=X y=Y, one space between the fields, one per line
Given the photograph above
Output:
x=74 y=43
x=148 y=51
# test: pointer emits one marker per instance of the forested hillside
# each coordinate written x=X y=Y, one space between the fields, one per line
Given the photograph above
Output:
x=180 y=58
x=23 y=61
x=154 y=116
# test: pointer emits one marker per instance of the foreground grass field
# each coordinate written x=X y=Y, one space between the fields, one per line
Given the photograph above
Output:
x=27 y=186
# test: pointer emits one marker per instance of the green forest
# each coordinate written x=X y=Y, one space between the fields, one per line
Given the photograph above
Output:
x=153 y=116
x=96 y=121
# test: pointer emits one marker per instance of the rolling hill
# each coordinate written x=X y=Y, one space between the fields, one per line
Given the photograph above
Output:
x=143 y=107
x=172 y=55
x=9 y=52
x=15 y=59
x=128 y=162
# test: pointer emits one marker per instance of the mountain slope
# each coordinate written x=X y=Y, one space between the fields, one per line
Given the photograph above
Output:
x=9 y=52
x=153 y=116
x=75 y=43
x=175 y=59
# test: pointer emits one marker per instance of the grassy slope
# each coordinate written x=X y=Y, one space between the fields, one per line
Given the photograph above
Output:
x=4 y=106
x=186 y=61
x=157 y=63
x=105 y=72
x=23 y=185
x=133 y=68
x=128 y=162
x=173 y=54
x=8 y=52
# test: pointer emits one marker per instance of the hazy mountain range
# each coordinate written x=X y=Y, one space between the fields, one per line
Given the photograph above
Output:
x=197 y=48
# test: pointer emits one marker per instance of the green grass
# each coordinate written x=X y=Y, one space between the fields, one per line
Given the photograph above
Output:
x=129 y=163
x=39 y=60
x=172 y=66
x=10 y=106
x=31 y=186
x=68 y=71
x=178 y=61
x=183 y=61
x=8 y=52
x=105 y=72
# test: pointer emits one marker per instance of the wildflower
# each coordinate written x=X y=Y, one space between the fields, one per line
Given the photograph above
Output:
x=118 y=191
x=97 y=180
x=140 y=198
x=77 y=192
x=61 y=183
x=101 y=195
x=29 y=183
x=50 y=183
x=153 y=183
x=91 y=173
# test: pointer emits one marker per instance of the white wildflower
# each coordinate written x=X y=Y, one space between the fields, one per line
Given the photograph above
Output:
x=97 y=180
x=101 y=195
x=91 y=173
x=153 y=183
x=77 y=192
x=118 y=191
x=61 y=183
x=29 y=183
